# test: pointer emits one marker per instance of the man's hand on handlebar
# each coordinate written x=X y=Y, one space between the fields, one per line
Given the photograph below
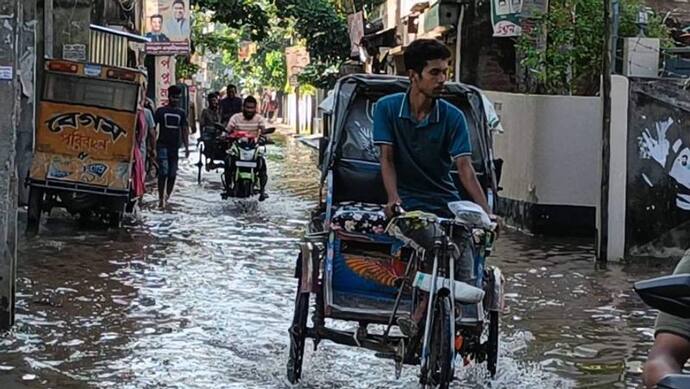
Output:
x=499 y=223
x=393 y=208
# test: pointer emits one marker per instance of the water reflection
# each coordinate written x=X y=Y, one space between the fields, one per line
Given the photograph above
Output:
x=201 y=296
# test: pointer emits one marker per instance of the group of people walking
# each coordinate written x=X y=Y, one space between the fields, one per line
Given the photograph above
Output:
x=163 y=131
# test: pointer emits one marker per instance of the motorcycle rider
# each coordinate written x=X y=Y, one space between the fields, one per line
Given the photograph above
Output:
x=231 y=104
x=253 y=123
x=421 y=137
x=671 y=348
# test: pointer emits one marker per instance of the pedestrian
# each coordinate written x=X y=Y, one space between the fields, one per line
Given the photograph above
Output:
x=265 y=102
x=230 y=105
x=173 y=132
x=149 y=153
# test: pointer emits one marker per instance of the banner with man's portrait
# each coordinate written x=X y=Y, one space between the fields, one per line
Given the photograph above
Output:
x=169 y=26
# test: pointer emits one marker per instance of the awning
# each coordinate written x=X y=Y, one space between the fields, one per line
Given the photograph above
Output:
x=383 y=38
x=129 y=36
x=109 y=46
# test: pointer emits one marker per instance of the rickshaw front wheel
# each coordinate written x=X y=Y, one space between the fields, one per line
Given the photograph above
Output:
x=298 y=332
x=492 y=343
x=439 y=372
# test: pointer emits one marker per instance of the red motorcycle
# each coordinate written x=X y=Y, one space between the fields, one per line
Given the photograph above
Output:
x=244 y=162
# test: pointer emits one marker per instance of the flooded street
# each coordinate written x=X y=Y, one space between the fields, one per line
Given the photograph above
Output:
x=202 y=297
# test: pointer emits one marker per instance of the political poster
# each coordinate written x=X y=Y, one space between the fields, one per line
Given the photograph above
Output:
x=168 y=26
x=505 y=17
x=296 y=58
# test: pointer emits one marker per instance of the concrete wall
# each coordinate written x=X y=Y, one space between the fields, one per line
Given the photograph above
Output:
x=71 y=20
x=551 y=148
x=10 y=19
x=657 y=198
x=29 y=90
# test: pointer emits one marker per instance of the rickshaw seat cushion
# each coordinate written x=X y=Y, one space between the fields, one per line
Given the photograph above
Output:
x=359 y=218
x=358 y=181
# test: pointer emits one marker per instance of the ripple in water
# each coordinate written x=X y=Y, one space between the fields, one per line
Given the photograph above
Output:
x=202 y=296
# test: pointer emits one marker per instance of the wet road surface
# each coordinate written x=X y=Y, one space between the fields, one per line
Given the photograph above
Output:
x=201 y=296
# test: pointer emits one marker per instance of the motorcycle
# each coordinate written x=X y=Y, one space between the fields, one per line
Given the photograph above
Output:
x=669 y=294
x=245 y=155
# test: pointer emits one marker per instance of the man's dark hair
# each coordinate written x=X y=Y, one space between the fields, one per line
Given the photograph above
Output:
x=174 y=91
x=178 y=2
x=422 y=50
x=250 y=100
x=157 y=16
x=231 y=86
x=212 y=95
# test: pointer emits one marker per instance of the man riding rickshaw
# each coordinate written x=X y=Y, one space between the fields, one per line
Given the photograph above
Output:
x=418 y=146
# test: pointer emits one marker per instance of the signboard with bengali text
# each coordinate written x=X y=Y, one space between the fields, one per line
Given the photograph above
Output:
x=165 y=76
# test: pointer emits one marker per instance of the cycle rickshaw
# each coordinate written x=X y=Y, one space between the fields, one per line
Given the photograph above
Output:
x=359 y=267
x=213 y=145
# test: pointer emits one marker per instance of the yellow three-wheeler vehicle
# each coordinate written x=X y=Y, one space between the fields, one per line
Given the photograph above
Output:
x=85 y=139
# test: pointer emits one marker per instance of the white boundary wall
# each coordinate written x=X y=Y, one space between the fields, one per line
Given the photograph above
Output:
x=551 y=148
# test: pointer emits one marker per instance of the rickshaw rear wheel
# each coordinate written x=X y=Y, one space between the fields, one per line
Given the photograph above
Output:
x=440 y=369
x=298 y=332
x=34 y=211
x=492 y=343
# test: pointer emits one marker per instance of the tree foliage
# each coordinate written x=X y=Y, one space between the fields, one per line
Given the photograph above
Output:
x=570 y=61
x=321 y=25
x=247 y=15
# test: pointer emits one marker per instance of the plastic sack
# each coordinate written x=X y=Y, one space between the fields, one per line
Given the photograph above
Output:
x=471 y=214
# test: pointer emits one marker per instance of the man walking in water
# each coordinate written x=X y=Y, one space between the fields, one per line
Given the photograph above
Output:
x=173 y=131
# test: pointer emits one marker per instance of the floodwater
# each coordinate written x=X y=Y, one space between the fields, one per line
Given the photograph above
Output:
x=201 y=297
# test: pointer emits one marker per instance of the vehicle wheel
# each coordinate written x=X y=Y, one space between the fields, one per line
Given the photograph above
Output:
x=298 y=332
x=34 y=211
x=230 y=188
x=246 y=188
x=115 y=219
x=200 y=163
x=440 y=369
x=492 y=343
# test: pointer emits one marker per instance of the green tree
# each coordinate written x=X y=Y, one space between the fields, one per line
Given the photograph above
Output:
x=571 y=61
x=247 y=15
x=323 y=26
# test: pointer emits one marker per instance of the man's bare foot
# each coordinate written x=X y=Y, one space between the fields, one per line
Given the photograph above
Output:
x=162 y=204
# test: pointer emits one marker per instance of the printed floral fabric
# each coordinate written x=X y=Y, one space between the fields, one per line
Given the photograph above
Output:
x=359 y=218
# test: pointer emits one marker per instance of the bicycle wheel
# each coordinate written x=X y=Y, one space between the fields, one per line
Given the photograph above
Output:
x=492 y=343
x=200 y=163
x=440 y=369
x=298 y=333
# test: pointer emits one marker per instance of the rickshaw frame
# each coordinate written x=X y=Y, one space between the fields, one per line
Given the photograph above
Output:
x=311 y=267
